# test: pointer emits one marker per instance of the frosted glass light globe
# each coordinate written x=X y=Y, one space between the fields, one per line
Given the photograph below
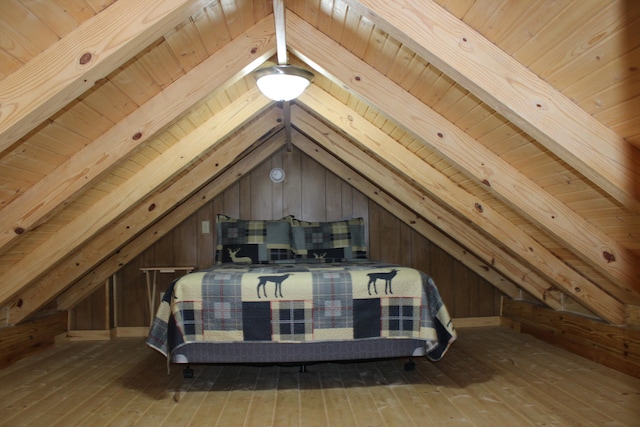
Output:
x=283 y=82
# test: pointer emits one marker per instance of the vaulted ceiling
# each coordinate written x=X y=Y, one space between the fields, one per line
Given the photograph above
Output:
x=506 y=131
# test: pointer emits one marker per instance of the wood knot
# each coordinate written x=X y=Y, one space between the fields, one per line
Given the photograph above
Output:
x=479 y=207
x=254 y=50
x=85 y=58
x=486 y=182
x=608 y=256
x=18 y=230
x=152 y=206
x=136 y=136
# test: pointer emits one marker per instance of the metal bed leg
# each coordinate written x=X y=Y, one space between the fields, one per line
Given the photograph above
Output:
x=187 y=372
x=410 y=365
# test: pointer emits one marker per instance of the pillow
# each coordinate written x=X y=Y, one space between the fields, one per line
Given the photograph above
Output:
x=252 y=241
x=330 y=241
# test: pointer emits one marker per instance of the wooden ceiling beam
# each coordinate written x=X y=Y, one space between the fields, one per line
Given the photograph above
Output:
x=514 y=91
x=231 y=62
x=479 y=163
x=101 y=214
x=72 y=65
x=464 y=204
x=85 y=268
x=98 y=275
x=314 y=129
x=488 y=254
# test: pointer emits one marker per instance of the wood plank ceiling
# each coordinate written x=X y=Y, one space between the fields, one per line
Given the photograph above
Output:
x=506 y=130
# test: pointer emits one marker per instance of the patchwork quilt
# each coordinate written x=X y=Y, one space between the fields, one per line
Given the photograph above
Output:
x=294 y=302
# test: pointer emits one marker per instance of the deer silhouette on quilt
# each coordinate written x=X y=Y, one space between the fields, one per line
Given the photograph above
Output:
x=277 y=280
x=387 y=277
x=240 y=259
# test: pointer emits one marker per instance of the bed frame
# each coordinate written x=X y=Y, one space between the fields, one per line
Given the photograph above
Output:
x=296 y=353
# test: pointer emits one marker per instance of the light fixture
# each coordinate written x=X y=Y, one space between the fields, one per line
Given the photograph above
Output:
x=283 y=82
x=276 y=175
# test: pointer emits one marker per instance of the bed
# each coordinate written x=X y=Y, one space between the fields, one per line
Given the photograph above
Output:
x=291 y=291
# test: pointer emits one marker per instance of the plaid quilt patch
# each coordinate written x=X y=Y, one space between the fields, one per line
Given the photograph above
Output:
x=400 y=317
x=221 y=302
x=291 y=321
x=332 y=299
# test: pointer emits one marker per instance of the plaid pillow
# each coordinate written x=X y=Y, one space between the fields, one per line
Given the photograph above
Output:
x=252 y=241
x=330 y=241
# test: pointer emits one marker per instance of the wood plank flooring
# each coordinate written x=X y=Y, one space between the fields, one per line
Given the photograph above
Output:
x=490 y=377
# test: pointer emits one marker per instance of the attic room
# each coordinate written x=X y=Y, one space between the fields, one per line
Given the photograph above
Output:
x=492 y=147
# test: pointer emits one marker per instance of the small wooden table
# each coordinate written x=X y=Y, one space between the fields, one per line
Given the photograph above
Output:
x=151 y=274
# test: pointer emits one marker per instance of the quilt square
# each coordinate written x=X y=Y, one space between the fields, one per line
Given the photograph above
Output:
x=190 y=319
x=332 y=300
x=292 y=321
x=400 y=317
x=222 y=302
x=257 y=321
x=366 y=318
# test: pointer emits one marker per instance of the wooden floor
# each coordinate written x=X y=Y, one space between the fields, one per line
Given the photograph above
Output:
x=490 y=377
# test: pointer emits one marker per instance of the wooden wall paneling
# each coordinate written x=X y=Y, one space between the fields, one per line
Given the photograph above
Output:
x=374 y=226
x=406 y=234
x=390 y=244
x=292 y=185
x=347 y=195
x=163 y=251
x=244 y=197
x=277 y=189
x=217 y=206
x=231 y=200
x=78 y=315
x=465 y=290
x=18 y=341
x=185 y=242
x=333 y=197
x=420 y=250
x=313 y=191
x=93 y=313
x=360 y=208
x=132 y=294
x=615 y=346
x=206 y=241
x=261 y=192
x=113 y=284
x=441 y=270
x=488 y=300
